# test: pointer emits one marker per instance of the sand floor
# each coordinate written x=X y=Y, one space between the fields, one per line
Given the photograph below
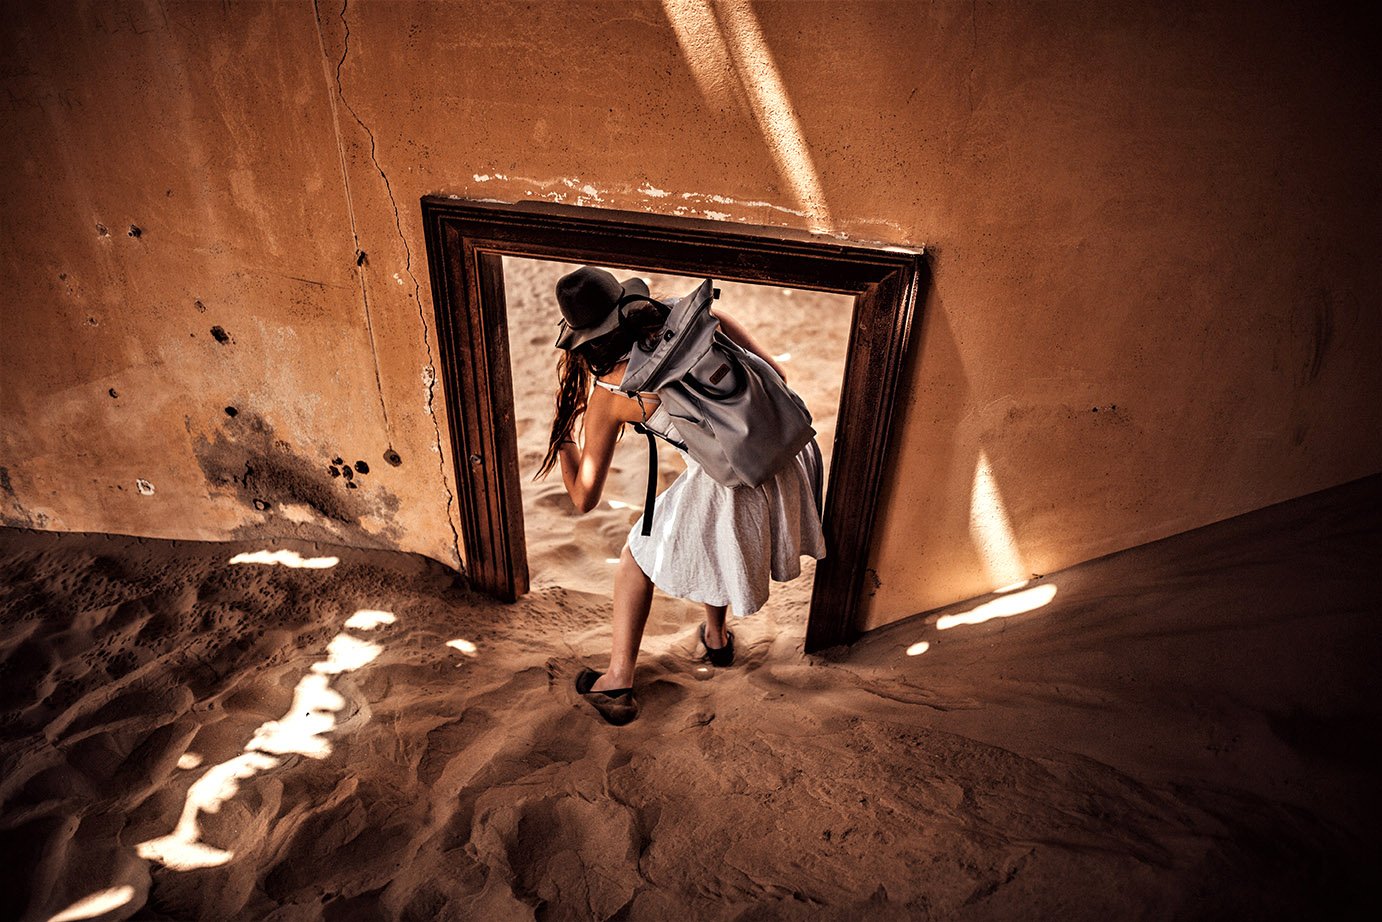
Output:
x=1185 y=730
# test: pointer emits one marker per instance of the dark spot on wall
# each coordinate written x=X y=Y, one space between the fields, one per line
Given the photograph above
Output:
x=62 y=276
x=352 y=485
x=112 y=392
x=261 y=505
x=101 y=231
x=393 y=458
x=201 y=308
x=361 y=467
x=220 y=335
x=347 y=473
x=360 y=258
x=335 y=471
x=136 y=230
x=874 y=583
x=249 y=462
x=232 y=412
x=338 y=461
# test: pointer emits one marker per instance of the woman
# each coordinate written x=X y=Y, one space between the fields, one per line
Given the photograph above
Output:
x=709 y=543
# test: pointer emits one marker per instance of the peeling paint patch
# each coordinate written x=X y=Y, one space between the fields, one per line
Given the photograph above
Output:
x=652 y=191
x=144 y=487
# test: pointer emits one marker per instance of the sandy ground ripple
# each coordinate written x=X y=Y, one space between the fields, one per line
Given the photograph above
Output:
x=1185 y=731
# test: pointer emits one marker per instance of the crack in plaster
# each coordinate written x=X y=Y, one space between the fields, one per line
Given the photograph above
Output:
x=350 y=209
x=429 y=372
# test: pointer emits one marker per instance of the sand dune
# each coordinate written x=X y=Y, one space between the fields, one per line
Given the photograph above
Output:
x=1183 y=730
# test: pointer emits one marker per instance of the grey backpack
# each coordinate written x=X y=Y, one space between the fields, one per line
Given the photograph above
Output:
x=738 y=419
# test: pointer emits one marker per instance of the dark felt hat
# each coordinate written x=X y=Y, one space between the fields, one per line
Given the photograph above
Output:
x=589 y=300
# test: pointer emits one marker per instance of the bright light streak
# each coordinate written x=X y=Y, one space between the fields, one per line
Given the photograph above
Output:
x=619 y=504
x=301 y=731
x=180 y=849
x=367 y=619
x=463 y=645
x=703 y=49
x=784 y=357
x=1002 y=607
x=287 y=559
x=611 y=560
x=1011 y=587
x=722 y=42
x=918 y=648
x=89 y=907
x=991 y=530
x=346 y=654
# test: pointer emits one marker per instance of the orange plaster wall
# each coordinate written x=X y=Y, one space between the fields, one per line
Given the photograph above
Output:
x=1165 y=214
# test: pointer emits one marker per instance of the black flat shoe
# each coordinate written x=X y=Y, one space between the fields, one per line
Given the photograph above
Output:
x=719 y=656
x=617 y=706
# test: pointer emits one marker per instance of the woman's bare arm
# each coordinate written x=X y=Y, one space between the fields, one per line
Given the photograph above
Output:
x=740 y=334
x=583 y=468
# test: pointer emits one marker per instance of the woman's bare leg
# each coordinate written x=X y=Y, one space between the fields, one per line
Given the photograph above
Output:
x=716 y=635
x=633 y=596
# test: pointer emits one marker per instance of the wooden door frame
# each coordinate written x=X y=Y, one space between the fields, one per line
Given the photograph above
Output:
x=466 y=241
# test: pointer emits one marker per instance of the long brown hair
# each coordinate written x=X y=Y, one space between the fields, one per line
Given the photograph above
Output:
x=578 y=368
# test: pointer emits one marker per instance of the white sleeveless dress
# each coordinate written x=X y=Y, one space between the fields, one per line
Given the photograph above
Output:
x=720 y=545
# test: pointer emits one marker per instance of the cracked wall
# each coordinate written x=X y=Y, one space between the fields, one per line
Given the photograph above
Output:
x=1152 y=233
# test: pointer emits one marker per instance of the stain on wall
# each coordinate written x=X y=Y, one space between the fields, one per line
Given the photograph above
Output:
x=1162 y=212
x=290 y=495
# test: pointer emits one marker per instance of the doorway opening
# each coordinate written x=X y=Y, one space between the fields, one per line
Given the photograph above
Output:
x=807 y=332
x=467 y=246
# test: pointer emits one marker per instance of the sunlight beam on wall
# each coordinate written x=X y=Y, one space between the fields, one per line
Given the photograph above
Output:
x=741 y=46
x=705 y=53
x=991 y=530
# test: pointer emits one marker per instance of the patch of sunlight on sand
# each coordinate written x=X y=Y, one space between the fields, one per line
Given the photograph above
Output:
x=89 y=907
x=189 y=760
x=991 y=530
x=611 y=560
x=367 y=619
x=287 y=559
x=918 y=648
x=1002 y=607
x=784 y=357
x=723 y=45
x=346 y=653
x=301 y=731
x=463 y=645
x=619 y=504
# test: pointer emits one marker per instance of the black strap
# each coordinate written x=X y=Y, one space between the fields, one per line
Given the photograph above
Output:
x=651 y=497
